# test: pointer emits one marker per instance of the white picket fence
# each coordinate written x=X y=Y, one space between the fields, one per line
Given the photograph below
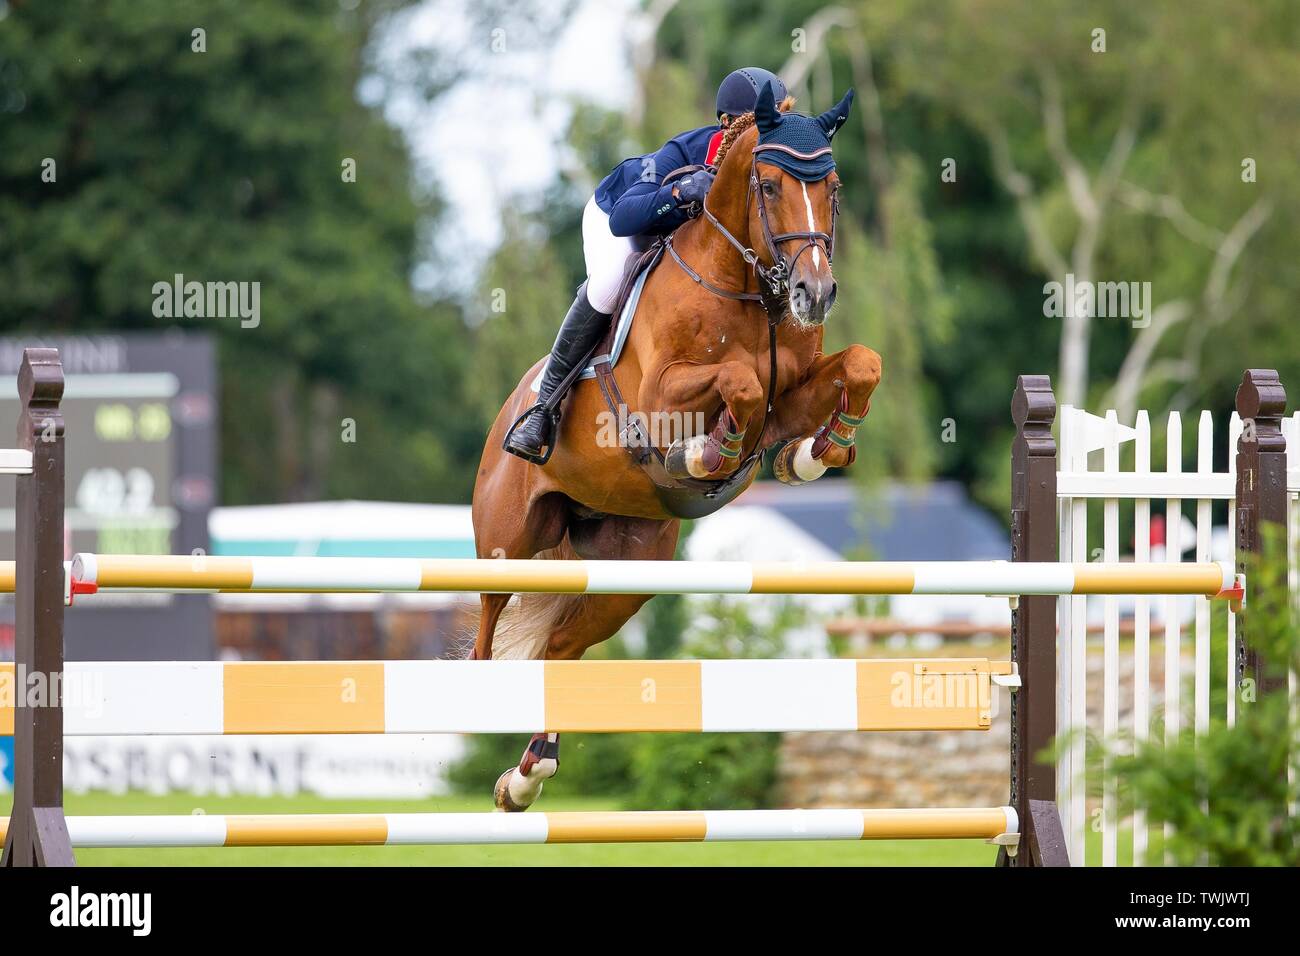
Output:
x=1085 y=441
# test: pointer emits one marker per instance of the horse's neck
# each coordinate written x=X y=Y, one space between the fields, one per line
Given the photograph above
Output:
x=713 y=256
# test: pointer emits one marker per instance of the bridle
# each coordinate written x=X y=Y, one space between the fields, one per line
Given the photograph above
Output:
x=774 y=279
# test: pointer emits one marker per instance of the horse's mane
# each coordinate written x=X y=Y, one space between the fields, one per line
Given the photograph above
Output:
x=734 y=133
x=738 y=127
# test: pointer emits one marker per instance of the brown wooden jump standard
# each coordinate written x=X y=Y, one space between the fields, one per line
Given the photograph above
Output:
x=38 y=833
x=1033 y=629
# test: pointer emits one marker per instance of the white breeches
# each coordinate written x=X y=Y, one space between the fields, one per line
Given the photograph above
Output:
x=606 y=255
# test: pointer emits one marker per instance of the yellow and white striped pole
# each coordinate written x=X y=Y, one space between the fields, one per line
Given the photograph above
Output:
x=652 y=826
x=93 y=572
x=419 y=697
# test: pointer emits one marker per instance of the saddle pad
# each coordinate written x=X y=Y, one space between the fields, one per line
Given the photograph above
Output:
x=623 y=328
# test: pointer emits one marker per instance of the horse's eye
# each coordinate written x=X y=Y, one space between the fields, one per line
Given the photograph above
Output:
x=768 y=188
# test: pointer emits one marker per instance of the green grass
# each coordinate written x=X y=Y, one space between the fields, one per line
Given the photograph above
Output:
x=871 y=853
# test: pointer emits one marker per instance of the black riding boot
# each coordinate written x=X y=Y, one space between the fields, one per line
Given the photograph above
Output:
x=582 y=329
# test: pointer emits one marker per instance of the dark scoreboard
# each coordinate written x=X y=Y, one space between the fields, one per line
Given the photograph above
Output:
x=140 y=411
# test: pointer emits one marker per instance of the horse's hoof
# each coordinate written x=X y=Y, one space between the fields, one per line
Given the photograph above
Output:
x=698 y=457
x=685 y=457
x=794 y=464
x=505 y=803
x=783 y=465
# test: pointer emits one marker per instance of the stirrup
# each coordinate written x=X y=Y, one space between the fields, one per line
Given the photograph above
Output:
x=554 y=417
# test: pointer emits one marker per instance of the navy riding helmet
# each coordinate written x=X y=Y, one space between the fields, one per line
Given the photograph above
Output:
x=739 y=90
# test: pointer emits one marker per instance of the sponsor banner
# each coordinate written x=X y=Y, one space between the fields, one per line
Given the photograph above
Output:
x=337 y=766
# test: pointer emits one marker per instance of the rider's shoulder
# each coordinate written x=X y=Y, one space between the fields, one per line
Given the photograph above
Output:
x=689 y=147
x=701 y=133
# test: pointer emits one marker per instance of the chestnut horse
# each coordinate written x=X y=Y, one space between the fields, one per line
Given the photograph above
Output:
x=695 y=349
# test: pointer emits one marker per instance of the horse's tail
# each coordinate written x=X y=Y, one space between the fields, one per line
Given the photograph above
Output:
x=527 y=623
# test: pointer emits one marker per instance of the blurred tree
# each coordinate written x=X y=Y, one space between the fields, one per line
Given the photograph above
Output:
x=220 y=156
x=524 y=294
x=883 y=287
x=1126 y=135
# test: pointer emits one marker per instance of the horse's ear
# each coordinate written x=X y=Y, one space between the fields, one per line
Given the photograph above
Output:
x=765 y=111
x=834 y=118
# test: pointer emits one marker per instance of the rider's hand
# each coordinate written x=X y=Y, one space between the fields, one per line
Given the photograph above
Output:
x=693 y=187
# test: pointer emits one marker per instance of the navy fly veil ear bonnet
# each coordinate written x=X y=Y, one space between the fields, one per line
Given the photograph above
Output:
x=801 y=145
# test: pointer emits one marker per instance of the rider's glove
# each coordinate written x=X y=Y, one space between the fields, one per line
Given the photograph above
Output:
x=694 y=187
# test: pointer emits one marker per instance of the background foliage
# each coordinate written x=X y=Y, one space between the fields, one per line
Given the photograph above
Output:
x=227 y=164
x=1243 y=768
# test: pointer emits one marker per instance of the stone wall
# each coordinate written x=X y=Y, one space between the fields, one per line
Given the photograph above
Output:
x=895 y=769
x=938 y=769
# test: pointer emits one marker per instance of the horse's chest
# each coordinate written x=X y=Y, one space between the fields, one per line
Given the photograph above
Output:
x=793 y=362
x=796 y=361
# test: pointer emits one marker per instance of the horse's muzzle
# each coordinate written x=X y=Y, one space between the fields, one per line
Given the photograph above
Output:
x=811 y=300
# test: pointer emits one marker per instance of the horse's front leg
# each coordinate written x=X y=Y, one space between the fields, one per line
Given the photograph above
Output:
x=716 y=453
x=518 y=787
x=822 y=414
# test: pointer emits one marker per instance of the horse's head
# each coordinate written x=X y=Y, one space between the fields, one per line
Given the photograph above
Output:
x=793 y=218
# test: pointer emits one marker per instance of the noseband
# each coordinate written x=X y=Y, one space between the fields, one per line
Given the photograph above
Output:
x=774 y=279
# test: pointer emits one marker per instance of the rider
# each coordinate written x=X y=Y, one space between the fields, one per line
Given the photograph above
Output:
x=631 y=201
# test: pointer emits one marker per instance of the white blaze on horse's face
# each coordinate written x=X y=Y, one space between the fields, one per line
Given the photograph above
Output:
x=812 y=223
